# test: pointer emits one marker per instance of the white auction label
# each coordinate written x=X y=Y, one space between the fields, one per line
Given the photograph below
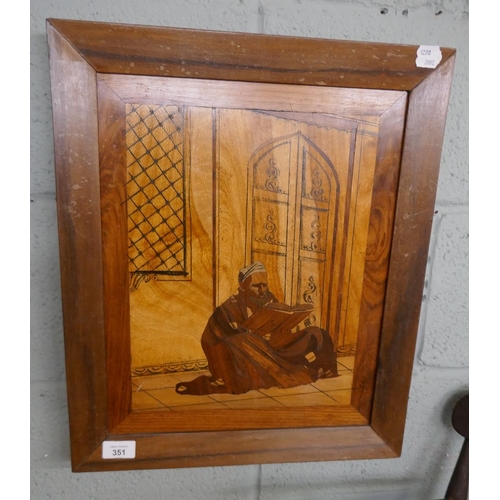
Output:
x=428 y=56
x=118 y=449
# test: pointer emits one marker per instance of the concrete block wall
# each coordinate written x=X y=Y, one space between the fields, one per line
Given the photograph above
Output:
x=441 y=372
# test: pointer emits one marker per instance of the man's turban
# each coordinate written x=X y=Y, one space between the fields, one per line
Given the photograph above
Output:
x=254 y=267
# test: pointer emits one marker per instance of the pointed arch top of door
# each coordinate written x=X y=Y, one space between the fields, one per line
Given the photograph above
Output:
x=292 y=217
x=273 y=173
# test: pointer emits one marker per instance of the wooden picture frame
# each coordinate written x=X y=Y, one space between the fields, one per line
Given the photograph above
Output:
x=96 y=68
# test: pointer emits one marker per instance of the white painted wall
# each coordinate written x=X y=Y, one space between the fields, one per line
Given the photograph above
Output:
x=441 y=365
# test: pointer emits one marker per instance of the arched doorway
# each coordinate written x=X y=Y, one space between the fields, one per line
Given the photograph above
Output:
x=292 y=218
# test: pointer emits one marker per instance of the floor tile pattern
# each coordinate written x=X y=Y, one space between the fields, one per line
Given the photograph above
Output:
x=158 y=391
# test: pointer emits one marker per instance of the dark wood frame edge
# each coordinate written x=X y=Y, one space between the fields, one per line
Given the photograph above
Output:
x=81 y=259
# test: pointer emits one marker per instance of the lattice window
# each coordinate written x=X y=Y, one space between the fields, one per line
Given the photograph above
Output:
x=157 y=190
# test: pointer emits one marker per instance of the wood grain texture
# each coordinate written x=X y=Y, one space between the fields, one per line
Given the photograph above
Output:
x=115 y=259
x=158 y=421
x=296 y=204
x=156 y=51
x=377 y=254
x=164 y=306
x=363 y=179
x=79 y=221
x=171 y=217
x=424 y=134
x=246 y=447
x=251 y=95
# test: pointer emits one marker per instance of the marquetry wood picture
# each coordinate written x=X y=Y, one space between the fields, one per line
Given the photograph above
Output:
x=244 y=224
x=232 y=209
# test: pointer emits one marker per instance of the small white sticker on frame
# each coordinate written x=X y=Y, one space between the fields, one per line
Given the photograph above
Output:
x=428 y=56
x=118 y=449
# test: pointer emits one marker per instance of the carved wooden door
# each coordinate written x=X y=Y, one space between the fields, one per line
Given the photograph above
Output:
x=298 y=215
x=292 y=180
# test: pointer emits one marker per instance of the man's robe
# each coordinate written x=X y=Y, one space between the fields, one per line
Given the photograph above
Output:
x=240 y=360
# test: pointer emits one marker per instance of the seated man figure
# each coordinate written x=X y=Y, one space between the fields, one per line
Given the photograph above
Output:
x=240 y=360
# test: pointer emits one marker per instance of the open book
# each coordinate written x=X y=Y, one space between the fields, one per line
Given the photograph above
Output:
x=277 y=316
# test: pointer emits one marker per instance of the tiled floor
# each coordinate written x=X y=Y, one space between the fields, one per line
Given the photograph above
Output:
x=158 y=391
